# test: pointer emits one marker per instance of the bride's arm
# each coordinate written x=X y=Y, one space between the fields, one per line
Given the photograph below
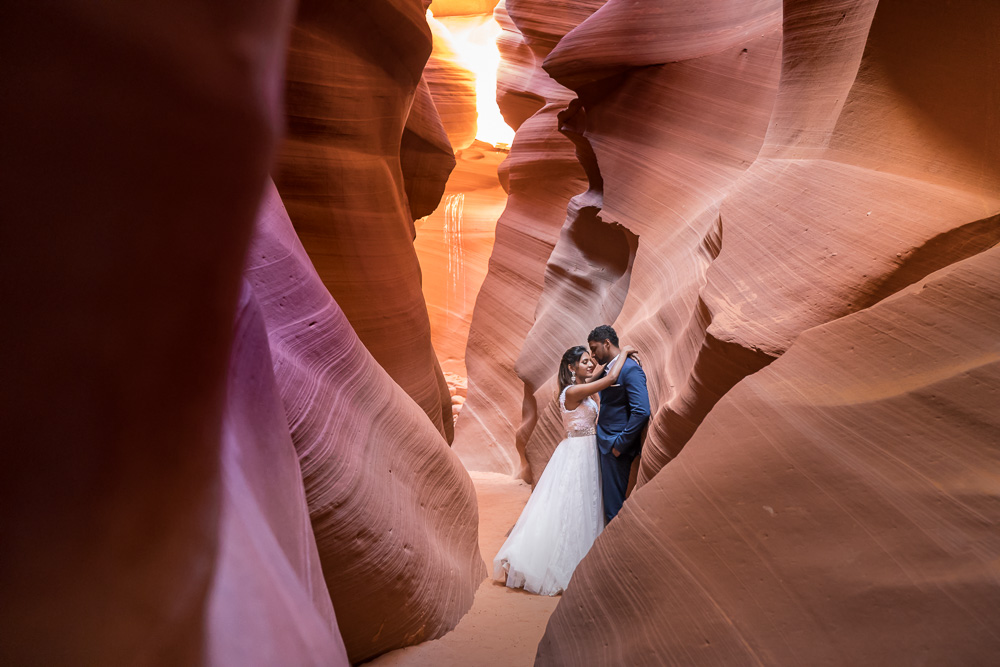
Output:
x=578 y=392
x=598 y=369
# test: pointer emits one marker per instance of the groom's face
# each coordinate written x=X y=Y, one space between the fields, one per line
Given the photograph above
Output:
x=600 y=350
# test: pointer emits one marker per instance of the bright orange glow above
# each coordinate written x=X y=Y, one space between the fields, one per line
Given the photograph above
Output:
x=475 y=41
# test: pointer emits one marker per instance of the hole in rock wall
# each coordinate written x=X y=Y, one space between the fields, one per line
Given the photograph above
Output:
x=454 y=243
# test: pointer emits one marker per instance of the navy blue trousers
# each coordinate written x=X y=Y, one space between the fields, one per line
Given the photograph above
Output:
x=614 y=482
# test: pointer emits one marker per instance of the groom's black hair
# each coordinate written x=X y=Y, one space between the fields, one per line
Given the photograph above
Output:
x=603 y=332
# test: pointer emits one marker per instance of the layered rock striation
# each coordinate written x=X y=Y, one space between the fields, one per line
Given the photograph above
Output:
x=763 y=170
x=540 y=175
x=171 y=397
x=152 y=506
x=756 y=171
x=342 y=173
x=393 y=511
x=269 y=602
x=820 y=514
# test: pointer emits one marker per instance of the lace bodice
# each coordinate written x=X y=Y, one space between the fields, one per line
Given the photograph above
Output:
x=582 y=420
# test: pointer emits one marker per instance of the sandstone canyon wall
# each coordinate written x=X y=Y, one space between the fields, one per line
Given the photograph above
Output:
x=341 y=175
x=540 y=175
x=756 y=170
x=393 y=511
x=820 y=515
x=199 y=452
x=152 y=506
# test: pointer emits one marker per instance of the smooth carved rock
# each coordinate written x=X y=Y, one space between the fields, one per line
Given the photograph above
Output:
x=137 y=138
x=393 y=511
x=340 y=175
x=849 y=200
x=540 y=175
x=647 y=226
x=425 y=155
x=838 y=507
x=798 y=174
x=269 y=603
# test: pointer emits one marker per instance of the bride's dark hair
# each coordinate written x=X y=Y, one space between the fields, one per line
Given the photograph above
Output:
x=570 y=356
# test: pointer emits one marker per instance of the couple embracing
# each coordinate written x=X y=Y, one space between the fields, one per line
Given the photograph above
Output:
x=584 y=483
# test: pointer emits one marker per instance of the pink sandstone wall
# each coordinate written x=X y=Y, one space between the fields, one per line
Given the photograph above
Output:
x=540 y=175
x=149 y=494
x=755 y=127
x=269 y=603
x=153 y=500
x=393 y=511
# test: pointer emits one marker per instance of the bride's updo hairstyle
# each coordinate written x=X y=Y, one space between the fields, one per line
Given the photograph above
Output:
x=570 y=357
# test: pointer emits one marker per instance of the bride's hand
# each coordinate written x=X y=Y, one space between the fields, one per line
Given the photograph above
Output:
x=629 y=351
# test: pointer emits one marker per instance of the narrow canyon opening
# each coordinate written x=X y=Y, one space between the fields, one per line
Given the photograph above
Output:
x=454 y=243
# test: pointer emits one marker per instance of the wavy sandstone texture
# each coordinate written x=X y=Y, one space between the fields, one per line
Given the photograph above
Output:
x=152 y=506
x=540 y=176
x=341 y=175
x=803 y=137
x=269 y=603
x=757 y=170
x=393 y=511
x=821 y=515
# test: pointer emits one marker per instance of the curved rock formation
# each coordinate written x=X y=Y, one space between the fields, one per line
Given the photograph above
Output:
x=340 y=175
x=393 y=511
x=864 y=185
x=133 y=165
x=269 y=603
x=820 y=515
x=424 y=155
x=815 y=204
x=755 y=126
x=540 y=176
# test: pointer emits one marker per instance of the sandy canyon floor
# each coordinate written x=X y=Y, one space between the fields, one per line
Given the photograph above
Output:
x=504 y=626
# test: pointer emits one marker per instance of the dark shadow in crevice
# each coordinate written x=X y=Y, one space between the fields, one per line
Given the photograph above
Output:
x=938 y=252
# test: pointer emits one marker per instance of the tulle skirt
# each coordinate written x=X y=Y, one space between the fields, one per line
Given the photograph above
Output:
x=557 y=527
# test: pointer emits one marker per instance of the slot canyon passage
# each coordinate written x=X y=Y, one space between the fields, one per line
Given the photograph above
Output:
x=261 y=255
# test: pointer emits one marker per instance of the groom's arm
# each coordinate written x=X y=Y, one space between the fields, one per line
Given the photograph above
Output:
x=633 y=381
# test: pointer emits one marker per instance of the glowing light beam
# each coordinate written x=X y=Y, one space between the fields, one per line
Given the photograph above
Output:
x=475 y=42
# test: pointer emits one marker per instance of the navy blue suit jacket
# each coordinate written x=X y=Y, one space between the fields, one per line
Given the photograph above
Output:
x=624 y=412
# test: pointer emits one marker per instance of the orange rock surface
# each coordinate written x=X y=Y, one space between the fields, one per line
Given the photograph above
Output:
x=540 y=176
x=393 y=511
x=757 y=170
x=340 y=175
x=454 y=245
x=838 y=507
x=453 y=87
x=766 y=169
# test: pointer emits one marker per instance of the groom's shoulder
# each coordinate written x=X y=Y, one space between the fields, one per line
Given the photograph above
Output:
x=632 y=367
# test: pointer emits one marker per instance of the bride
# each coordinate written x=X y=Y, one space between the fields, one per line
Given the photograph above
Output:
x=564 y=514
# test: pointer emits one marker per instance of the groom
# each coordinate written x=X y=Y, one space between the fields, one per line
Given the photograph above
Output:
x=624 y=413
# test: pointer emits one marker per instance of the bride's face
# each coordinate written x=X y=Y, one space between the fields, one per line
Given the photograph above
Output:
x=585 y=366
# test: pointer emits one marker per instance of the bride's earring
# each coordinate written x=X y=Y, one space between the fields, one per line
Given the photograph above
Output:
x=572 y=376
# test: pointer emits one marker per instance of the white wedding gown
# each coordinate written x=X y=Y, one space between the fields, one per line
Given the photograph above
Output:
x=564 y=514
